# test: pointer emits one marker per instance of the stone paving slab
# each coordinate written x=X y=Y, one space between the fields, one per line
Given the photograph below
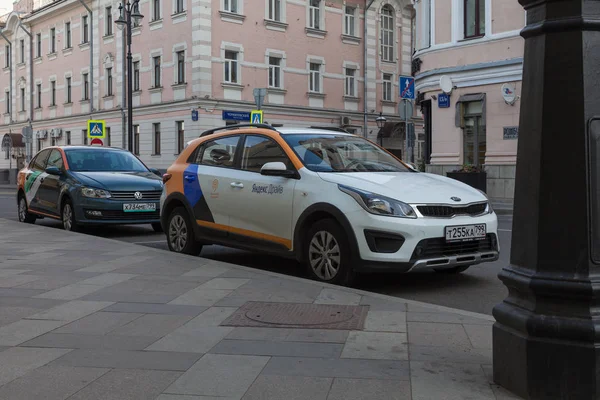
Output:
x=83 y=317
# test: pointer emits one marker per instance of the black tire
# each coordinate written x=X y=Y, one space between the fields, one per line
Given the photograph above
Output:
x=337 y=267
x=157 y=227
x=67 y=216
x=180 y=233
x=455 y=270
x=23 y=211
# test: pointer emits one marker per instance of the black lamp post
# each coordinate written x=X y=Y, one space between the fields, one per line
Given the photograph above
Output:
x=132 y=11
x=381 y=120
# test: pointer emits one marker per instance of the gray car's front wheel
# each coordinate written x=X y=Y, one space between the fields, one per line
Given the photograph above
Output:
x=68 y=217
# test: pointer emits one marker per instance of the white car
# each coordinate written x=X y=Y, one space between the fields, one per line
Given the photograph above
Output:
x=332 y=200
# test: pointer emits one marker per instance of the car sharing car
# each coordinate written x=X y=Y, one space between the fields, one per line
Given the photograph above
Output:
x=87 y=185
x=334 y=201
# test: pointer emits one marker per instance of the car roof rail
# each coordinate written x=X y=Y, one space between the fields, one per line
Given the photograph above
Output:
x=232 y=127
x=330 y=128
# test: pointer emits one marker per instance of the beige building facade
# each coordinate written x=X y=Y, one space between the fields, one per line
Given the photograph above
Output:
x=468 y=64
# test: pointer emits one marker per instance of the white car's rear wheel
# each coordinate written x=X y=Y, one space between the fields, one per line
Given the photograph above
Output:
x=180 y=233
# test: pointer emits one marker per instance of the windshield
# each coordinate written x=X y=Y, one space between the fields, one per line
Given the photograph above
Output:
x=98 y=160
x=343 y=153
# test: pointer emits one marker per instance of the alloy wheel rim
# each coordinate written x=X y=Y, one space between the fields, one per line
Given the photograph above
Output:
x=22 y=210
x=67 y=217
x=324 y=255
x=178 y=233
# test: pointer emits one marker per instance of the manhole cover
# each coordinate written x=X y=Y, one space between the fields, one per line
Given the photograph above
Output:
x=293 y=315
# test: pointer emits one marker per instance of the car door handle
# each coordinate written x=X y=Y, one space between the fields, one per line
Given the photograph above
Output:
x=238 y=185
x=190 y=178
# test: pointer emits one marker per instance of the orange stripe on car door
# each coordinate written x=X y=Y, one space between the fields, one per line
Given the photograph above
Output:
x=244 y=232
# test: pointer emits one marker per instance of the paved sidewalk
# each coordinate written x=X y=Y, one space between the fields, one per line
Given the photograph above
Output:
x=89 y=318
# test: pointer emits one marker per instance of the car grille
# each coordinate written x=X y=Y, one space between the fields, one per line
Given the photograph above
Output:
x=451 y=211
x=146 y=195
x=437 y=247
x=118 y=215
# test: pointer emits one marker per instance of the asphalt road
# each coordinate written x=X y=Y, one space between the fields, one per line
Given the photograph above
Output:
x=477 y=289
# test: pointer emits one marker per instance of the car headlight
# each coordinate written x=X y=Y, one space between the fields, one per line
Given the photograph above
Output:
x=488 y=209
x=379 y=205
x=95 y=193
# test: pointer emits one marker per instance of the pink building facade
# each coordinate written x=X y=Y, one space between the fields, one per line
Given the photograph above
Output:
x=474 y=48
x=63 y=67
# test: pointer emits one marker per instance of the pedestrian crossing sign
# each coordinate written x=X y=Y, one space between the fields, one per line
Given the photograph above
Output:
x=256 y=117
x=96 y=129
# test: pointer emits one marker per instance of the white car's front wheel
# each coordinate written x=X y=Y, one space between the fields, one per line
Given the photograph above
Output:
x=327 y=253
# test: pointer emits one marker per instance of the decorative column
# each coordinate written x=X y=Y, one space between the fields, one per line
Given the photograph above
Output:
x=548 y=328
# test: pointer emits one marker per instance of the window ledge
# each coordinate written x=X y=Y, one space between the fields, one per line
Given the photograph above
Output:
x=136 y=30
x=84 y=101
x=154 y=155
x=275 y=90
x=348 y=39
x=316 y=95
x=6 y=114
x=232 y=17
x=155 y=22
x=6 y=68
x=352 y=98
x=67 y=50
x=70 y=103
x=389 y=103
x=179 y=17
x=52 y=56
x=471 y=38
x=109 y=36
x=275 y=25
x=108 y=97
x=21 y=64
x=38 y=58
x=316 y=33
x=179 y=85
x=156 y=89
x=137 y=92
x=85 y=45
x=52 y=107
x=38 y=108
x=229 y=85
x=22 y=112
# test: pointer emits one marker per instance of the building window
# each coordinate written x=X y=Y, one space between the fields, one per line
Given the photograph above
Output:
x=68 y=89
x=387 y=33
x=156 y=138
x=39 y=95
x=349 y=21
x=108 y=30
x=22 y=48
x=52 y=40
x=179 y=6
x=109 y=82
x=67 y=35
x=180 y=67
x=85 y=29
x=39 y=145
x=136 y=140
x=474 y=18
x=180 y=136
x=7 y=56
x=68 y=137
x=474 y=134
x=157 y=80
x=314 y=14
x=155 y=10
x=231 y=66
x=7 y=101
x=22 y=99
x=315 y=78
x=84 y=138
x=86 y=87
x=387 y=87
x=230 y=6
x=52 y=93
x=275 y=72
x=136 y=76
x=275 y=10
x=107 y=131
x=350 y=78
x=38 y=45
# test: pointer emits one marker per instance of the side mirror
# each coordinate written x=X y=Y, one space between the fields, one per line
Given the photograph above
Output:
x=277 y=169
x=53 y=171
x=155 y=171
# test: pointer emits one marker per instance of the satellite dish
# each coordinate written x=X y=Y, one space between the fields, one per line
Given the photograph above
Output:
x=509 y=93
x=446 y=84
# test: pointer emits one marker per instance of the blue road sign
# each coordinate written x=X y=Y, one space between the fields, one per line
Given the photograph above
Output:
x=194 y=115
x=407 y=87
x=96 y=129
x=236 y=116
x=443 y=100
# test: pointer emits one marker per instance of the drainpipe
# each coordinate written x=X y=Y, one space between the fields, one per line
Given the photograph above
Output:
x=91 y=33
x=30 y=69
x=124 y=94
x=365 y=109
x=11 y=74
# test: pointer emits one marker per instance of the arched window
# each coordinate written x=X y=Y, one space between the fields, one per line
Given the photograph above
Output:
x=387 y=33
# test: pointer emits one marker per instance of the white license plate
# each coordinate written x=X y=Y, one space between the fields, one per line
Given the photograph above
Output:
x=139 y=207
x=463 y=233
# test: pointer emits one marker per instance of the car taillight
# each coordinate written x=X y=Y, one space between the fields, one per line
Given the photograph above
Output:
x=166 y=178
